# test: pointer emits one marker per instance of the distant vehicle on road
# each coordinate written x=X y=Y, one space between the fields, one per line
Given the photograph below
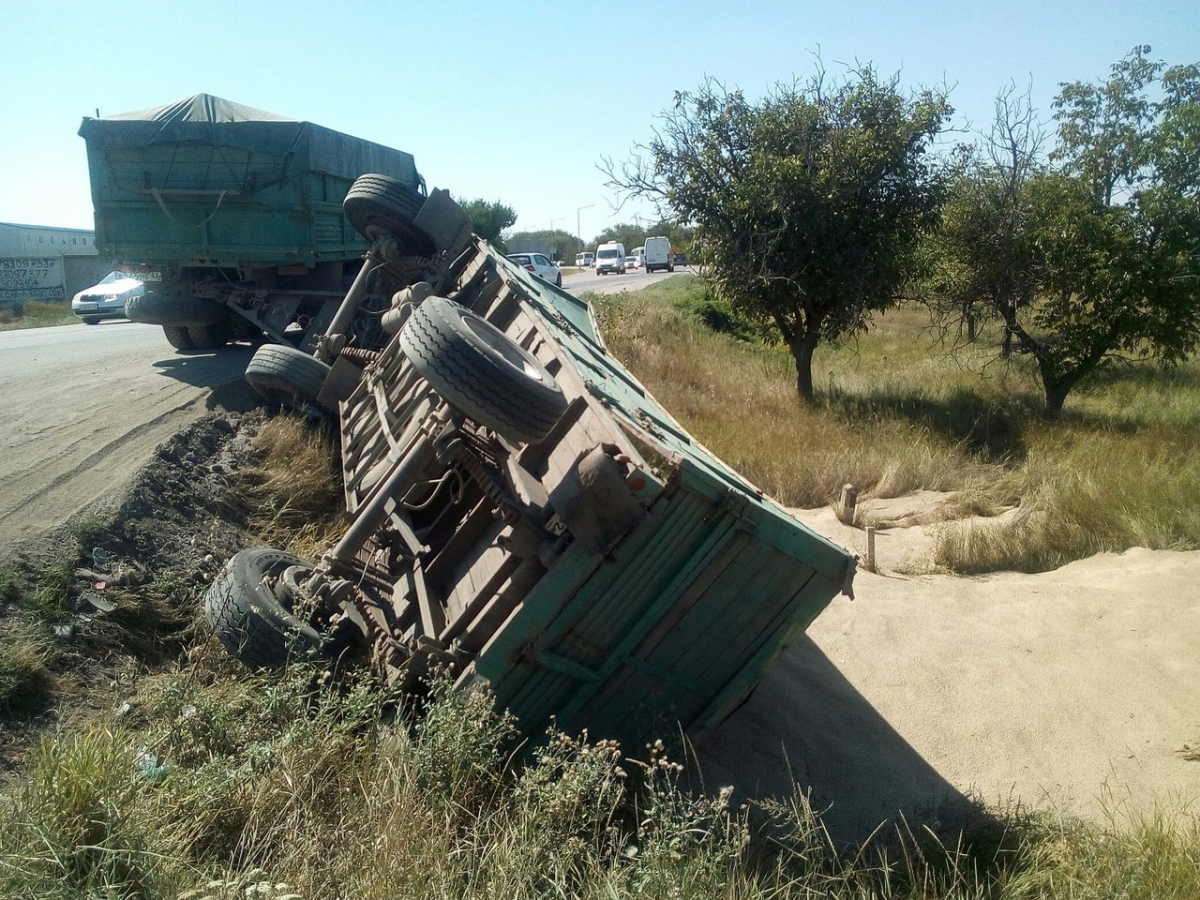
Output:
x=106 y=300
x=631 y=264
x=610 y=257
x=680 y=259
x=585 y=260
x=539 y=265
x=640 y=253
x=658 y=255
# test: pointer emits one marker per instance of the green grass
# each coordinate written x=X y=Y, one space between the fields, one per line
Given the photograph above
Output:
x=293 y=786
x=898 y=412
x=37 y=314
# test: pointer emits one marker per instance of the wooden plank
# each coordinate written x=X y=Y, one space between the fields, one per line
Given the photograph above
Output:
x=433 y=616
x=719 y=535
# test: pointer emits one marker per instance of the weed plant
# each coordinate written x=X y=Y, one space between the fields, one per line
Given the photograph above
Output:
x=900 y=411
x=37 y=314
x=296 y=785
x=296 y=491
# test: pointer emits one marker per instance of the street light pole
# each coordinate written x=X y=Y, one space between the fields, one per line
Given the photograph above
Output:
x=578 y=230
x=552 y=221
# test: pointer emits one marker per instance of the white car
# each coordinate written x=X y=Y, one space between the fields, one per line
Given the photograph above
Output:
x=106 y=300
x=631 y=263
x=539 y=265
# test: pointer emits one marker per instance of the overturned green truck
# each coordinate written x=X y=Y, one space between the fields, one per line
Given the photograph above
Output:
x=234 y=218
x=524 y=515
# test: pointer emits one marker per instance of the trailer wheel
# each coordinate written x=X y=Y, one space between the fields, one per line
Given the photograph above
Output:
x=173 y=309
x=482 y=372
x=287 y=376
x=178 y=337
x=250 y=621
x=377 y=205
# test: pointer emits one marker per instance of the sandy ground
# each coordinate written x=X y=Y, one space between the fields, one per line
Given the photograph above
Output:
x=83 y=409
x=1076 y=690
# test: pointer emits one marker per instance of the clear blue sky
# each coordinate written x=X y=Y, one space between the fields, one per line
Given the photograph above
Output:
x=515 y=102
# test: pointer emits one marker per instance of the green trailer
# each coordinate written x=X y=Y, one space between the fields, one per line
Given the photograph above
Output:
x=525 y=515
x=234 y=217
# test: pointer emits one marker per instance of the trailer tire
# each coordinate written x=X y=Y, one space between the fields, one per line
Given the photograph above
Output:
x=173 y=309
x=481 y=371
x=287 y=376
x=178 y=337
x=248 y=618
x=377 y=205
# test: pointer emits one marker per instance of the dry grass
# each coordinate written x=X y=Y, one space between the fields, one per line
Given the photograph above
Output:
x=239 y=786
x=37 y=314
x=898 y=412
x=296 y=492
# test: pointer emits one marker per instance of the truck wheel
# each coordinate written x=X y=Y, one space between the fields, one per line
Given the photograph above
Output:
x=209 y=337
x=248 y=618
x=378 y=205
x=91 y=320
x=178 y=337
x=482 y=372
x=172 y=309
x=287 y=376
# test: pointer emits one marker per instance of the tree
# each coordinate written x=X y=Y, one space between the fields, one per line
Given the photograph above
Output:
x=489 y=220
x=807 y=205
x=983 y=258
x=555 y=243
x=1103 y=239
x=629 y=235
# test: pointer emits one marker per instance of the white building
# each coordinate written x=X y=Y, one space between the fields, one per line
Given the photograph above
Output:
x=42 y=263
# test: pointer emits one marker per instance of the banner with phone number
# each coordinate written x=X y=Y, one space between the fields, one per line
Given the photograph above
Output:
x=31 y=278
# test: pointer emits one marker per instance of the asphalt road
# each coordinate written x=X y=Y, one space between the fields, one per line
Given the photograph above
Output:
x=588 y=280
x=83 y=408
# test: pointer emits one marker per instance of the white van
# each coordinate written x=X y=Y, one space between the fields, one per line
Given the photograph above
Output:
x=610 y=257
x=658 y=255
x=639 y=253
x=585 y=260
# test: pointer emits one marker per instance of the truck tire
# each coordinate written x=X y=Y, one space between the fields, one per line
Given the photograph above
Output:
x=287 y=376
x=178 y=337
x=172 y=309
x=209 y=337
x=377 y=205
x=91 y=320
x=248 y=618
x=481 y=372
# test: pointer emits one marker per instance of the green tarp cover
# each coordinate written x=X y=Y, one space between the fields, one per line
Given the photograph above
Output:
x=203 y=118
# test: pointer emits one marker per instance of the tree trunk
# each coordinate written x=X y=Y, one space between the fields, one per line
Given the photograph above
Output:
x=802 y=352
x=1056 y=396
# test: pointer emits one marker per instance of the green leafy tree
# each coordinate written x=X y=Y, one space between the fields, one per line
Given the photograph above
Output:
x=629 y=235
x=489 y=220
x=556 y=243
x=985 y=249
x=807 y=206
x=1099 y=253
